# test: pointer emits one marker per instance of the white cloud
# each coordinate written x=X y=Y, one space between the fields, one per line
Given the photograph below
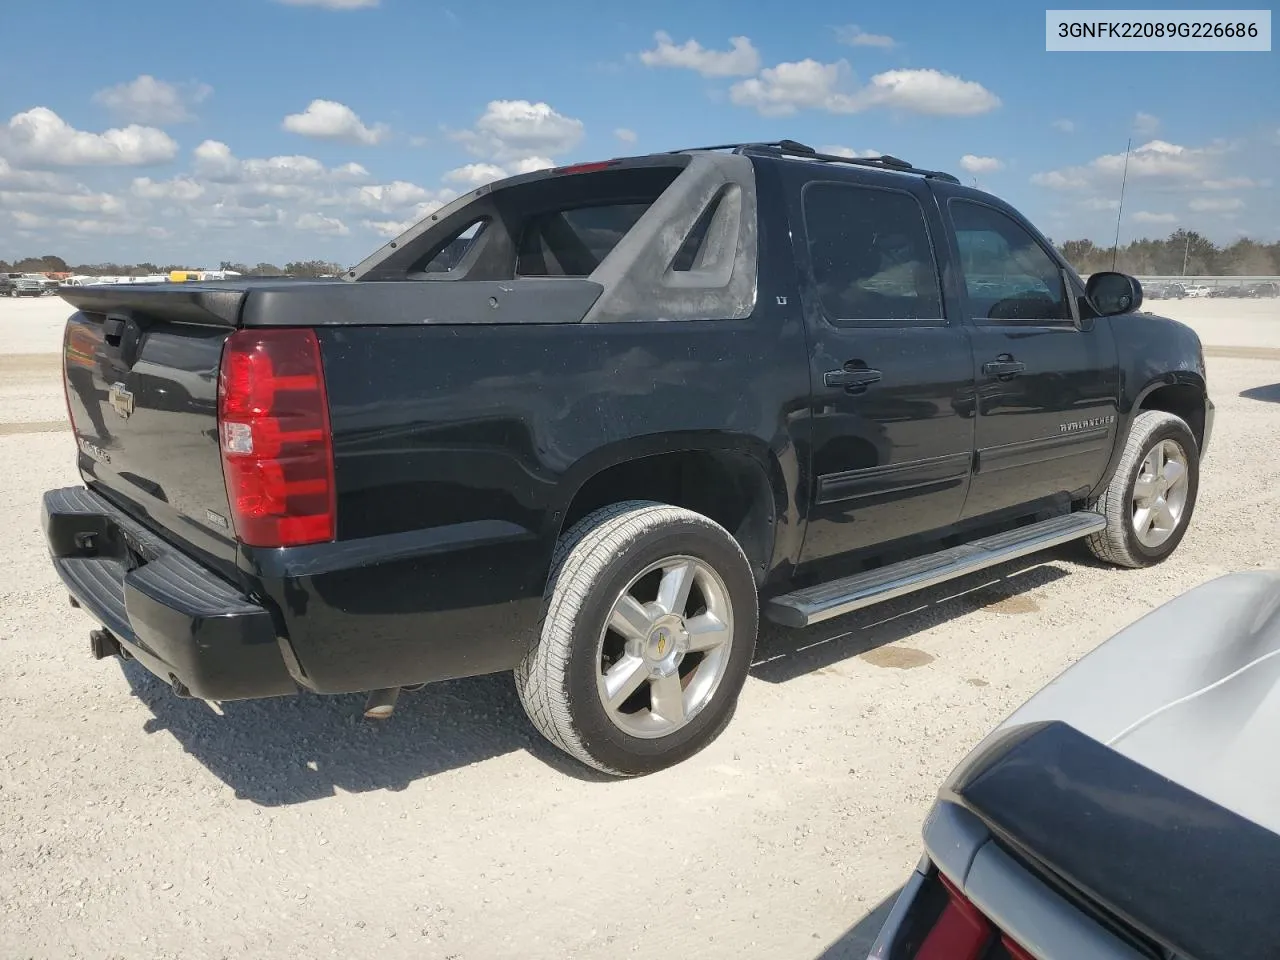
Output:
x=330 y=120
x=975 y=164
x=1143 y=216
x=1144 y=124
x=214 y=161
x=1230 y=183
x=476 y=174
x=388 y=197
x=350 y=171
x=393 y=228
x=39 y=137
x=855 y=36
x=1064 y=126
x=151 y=101
x=740 y=60
x=1071 y=178
x=532 y=164
x=1158 y=158
x=315 y=223
x=807 y=84
x=511 y=129
x=788 y=87
x=930 y=92
x=182 y=189
x=83 y=201
x=836 y=150
x=1215 y=204
x=625 y=135
x=332 y=4
x=1157 y=161
x=1099 y=203
x=17 y=180
x=387 y=228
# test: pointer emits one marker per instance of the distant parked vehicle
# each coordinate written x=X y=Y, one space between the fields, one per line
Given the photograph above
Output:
x=1264 y=289
x=1233 y=291
x=1198 y=291
x=22 y=285
x=1164 y=291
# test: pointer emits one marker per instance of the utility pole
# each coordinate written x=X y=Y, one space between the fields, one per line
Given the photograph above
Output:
x=1185 y=254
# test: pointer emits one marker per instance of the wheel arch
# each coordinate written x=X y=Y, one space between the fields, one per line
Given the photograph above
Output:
x=736 y=481
x=1180 y=392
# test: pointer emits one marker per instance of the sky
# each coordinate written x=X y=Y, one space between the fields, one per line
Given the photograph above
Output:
x=276 y=130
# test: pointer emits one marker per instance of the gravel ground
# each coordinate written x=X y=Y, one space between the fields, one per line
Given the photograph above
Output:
x=135 y=825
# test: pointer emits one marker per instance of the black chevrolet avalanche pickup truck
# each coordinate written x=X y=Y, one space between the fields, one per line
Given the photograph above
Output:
x=588 y=424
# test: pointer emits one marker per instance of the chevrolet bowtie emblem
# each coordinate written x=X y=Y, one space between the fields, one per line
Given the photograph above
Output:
x=121 y=399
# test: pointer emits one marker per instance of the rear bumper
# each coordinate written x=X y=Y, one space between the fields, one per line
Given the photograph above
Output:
x=178 y=619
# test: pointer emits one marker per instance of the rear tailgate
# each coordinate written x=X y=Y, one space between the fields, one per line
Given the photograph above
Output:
x=141 y=367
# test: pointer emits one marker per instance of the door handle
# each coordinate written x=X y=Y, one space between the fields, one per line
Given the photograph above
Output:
x=1003 y=367
x=851 y=379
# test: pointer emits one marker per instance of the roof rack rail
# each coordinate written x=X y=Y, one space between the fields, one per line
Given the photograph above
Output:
x=793 y=148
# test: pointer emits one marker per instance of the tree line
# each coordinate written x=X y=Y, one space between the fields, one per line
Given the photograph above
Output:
x=55 y=264
x=1182 y=252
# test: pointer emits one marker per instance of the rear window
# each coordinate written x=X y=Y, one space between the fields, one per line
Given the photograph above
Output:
x=572 y=242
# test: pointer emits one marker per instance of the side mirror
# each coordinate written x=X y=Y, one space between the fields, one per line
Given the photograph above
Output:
x=1113 y=293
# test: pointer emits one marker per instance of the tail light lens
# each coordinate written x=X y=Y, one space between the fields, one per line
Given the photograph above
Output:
x=962 y=932
x=277 y=446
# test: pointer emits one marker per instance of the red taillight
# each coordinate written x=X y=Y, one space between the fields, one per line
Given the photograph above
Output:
x=273 y=428
x=961 y=932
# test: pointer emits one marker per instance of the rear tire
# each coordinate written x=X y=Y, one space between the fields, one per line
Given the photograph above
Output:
x=1149 y=500
x=649 y=628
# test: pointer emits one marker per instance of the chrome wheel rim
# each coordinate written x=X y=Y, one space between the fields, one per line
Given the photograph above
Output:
x=1160 y=493
x=664 y=647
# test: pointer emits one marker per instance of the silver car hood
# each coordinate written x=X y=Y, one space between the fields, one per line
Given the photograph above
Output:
x=1191 y=691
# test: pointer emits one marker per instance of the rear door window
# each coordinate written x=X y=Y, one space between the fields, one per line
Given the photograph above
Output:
x=870 y=254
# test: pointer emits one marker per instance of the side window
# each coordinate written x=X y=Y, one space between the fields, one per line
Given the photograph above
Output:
x=870 y=254
x=1007 y=273
x=448 y=256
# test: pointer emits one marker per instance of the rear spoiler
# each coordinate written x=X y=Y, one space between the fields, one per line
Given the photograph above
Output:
x=180 y=303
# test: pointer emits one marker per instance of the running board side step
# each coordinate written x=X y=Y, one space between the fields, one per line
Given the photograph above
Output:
x=812 y=605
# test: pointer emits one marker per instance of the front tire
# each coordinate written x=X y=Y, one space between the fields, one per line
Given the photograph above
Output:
x=1149 y=500
x=650 y=627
